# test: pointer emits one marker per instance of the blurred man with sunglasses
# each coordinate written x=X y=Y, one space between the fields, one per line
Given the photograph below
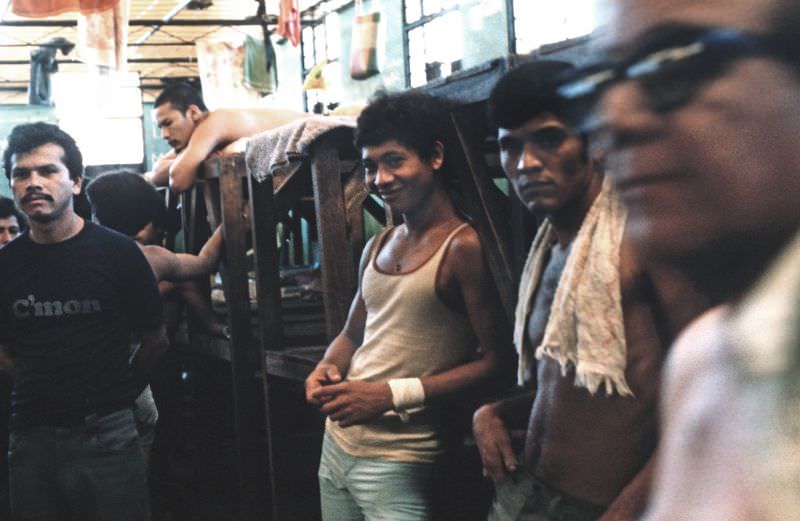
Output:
x=699 y=104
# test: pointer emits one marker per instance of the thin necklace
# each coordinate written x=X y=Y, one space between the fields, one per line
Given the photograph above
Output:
x=398 y=266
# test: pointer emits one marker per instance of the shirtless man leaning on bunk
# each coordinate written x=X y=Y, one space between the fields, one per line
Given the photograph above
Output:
x=194 y=132
x=589 y=312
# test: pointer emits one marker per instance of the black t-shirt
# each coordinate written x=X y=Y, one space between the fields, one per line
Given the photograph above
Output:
x=68 y=310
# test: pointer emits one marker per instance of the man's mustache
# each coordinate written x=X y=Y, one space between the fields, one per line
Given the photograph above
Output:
x=36 y=195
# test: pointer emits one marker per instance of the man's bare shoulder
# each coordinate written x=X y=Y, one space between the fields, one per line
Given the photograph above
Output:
x=155 y=254
x=223 y=121
x=465 y=249
x=239 y=123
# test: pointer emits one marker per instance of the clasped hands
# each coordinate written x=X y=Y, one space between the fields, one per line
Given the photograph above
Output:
x=346 y=402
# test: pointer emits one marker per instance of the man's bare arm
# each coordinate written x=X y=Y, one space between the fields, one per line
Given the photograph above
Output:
x=154 y=344
x=7 y=359
x=336 y=361
x=159 y=176
x=198 y=304
x=183 y=266
x=219 y=127
x=492 y=427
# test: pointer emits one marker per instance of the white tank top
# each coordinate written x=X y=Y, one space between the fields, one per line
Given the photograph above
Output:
x=409 y=333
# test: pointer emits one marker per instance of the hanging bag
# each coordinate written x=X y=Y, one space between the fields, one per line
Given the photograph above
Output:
x=364 y=48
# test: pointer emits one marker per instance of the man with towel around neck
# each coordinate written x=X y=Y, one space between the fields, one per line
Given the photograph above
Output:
x=589 y=330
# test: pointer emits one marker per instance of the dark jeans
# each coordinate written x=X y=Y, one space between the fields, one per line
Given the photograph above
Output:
x=92 y=471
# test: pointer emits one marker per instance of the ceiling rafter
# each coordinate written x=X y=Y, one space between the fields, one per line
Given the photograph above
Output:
x=164 y=54
x=271 y=20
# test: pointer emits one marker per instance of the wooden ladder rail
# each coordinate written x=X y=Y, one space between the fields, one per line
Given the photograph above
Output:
x=225 y=188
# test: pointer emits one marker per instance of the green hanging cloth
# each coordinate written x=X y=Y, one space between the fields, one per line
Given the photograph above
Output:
x=260 y=69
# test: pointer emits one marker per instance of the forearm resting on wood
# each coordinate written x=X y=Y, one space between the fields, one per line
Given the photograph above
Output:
x=159 y=176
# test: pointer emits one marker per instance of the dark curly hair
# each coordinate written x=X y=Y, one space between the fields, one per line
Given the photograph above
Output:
x=24 y=138
x=125 y=202
x=8 y=209
x=526 y=91
x=181 y=96
x=416 y=121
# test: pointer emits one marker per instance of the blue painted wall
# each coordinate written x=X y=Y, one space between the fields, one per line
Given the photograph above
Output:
x=484 y=38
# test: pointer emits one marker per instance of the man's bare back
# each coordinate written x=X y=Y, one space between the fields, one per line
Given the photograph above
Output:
x=214 y=131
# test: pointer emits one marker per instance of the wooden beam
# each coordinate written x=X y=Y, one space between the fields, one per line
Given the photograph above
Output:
x=195 y=22
x=139 y=22
x=246 y=360
x=491 y=214
x=145 y=44
x=355 y=194
x=177 y=59
x=267 y=265
x=337 y=277
x=296 y=184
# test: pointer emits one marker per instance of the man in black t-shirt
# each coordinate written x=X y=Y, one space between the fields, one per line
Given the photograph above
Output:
x=74 y=295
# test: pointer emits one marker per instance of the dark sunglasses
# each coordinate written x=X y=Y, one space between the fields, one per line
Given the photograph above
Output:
x=670 y=67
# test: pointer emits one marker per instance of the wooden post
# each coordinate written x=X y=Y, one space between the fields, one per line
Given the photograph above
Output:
x=463 y=151
x=355 y=193
x=246 y=362
x=337 y=277
x=268 y=296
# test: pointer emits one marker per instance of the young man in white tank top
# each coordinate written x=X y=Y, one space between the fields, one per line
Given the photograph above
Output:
x=425 y=325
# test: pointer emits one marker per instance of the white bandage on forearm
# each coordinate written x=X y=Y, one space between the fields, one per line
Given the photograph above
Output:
x=407 y=393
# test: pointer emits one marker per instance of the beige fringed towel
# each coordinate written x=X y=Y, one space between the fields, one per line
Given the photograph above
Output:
x=585 y=327
x=272 y=151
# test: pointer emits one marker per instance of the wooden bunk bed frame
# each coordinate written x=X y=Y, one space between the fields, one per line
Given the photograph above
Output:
x=339 y=197
x=504 y=226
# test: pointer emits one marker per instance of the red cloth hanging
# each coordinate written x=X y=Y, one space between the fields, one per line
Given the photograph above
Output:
x=289 y=21
x=45 y=8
